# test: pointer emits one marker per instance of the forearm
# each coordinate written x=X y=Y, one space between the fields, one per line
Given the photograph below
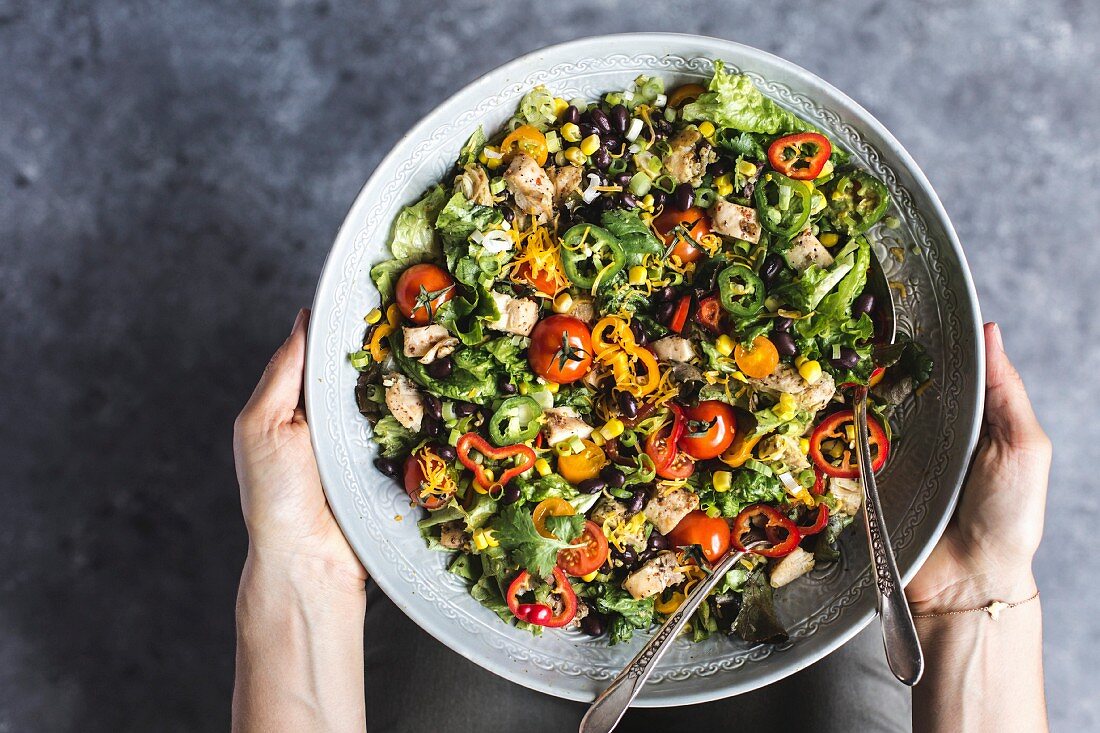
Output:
x=981 y=674
x=299 y=648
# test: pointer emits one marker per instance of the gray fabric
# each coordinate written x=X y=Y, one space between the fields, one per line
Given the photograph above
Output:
x=416 y=684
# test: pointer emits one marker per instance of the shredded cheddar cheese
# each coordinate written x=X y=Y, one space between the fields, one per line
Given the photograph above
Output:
x=538 y=258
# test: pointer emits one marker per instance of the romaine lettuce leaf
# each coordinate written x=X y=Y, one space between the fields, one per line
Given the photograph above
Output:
x=413 y=236
x=460 y=218
x=734 y=101
x=472 y=148
x=811 y=287
x=633 y=234
x=385 y=275
x=393 y=438
x=747 y=487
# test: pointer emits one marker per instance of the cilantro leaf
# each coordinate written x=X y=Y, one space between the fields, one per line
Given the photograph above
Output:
x=517 y=534
x=566 y=528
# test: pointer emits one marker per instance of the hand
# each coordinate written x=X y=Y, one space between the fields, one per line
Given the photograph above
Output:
x=986 y=552
x=290 y=525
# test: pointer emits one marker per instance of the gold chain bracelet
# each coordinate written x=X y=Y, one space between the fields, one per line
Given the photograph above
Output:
x=994 y=609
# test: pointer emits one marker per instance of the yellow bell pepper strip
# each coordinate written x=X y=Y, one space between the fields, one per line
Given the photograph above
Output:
x=376 y=345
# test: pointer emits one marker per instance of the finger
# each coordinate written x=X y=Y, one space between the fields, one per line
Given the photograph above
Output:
x=1008 y=412
x=280 y=386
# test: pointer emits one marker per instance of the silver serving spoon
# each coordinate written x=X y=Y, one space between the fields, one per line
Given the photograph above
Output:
x=609 y=708
x=899 y=634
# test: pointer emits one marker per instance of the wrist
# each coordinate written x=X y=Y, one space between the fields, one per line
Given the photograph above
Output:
x=277 y=582
x=977 y=590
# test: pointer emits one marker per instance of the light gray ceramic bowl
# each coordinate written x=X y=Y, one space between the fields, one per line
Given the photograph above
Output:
x=937 y=433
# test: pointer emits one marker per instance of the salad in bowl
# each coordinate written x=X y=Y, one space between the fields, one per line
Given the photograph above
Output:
x=614 y=344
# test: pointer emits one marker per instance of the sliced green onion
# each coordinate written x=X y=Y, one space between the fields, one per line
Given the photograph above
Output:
x=640 y=184
x=449 y=410
x=666 y=183
x=618 y=165
x=553 y=142
x=704 y=197
x=496 y=185
x=360 y=360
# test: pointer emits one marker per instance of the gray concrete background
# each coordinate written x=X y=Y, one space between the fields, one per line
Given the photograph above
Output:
x=171 y=177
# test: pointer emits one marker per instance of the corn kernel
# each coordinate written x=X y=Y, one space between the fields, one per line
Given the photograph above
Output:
x=571 y=132
x=575 y=156
x=612 y=429
x=647 y=202
x=552 y=387
x=479 y=541
x=590 y=144
x=810 y=371
x=563 y=303
x=591 y=576
x=560 y=105
x=722 y=185
x=804 y=445
x=722 y=481
x=771 y=303
x=706 y=129
x=637 y=275
x=786 y=408
x=829 y=239
x=800 y=360
x=484 y=539
x=724 y=344
x=374 y=316
x=597 y=437
x=524 y=388
x=543 y=467
x=746 y=168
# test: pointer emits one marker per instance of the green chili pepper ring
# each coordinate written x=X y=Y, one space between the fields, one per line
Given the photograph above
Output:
x=783 y=204
x=603 y=251
x=741 y=291
x=515 y=421
x=857 y=202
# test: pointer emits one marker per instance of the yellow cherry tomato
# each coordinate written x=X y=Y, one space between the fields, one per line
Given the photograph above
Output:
x=759 y=361
x=578 y=467
x=525 y=139
x=552 y=507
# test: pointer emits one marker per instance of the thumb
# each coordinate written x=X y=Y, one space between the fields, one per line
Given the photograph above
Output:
x=280 y=387
x=1009 y=416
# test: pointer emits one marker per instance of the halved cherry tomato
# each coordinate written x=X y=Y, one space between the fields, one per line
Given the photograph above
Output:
x=420 y=291
x=759 y=361
x=525 y=139
x=539 y=613
x=697 y=223
x=561 y=349
x=710 y=533
x=709 y=429
x=709 y=313
x=552 y=507
x=414 y=480
x=800 y=156
x=578 y=467
x=685 y=93
x=818 y=524
x=744 y=439
x=543 y=282
x=833 y=449
x=580 y=561
x=680 y=315
x=781 y=532
x=670 y=462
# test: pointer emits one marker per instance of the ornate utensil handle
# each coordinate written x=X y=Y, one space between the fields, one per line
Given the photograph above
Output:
x=608 y=709
x=899 y=634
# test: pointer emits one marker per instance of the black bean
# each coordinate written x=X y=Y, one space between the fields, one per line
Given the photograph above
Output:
x=433 y=407
x=592 y=486
x=464 y=409
x=657 y=541
x=504 y=384
x=511 y=494
x=848 y=358
x=587 y=128
x=773 y=263
x=444 y=451
x=601 y=158
x=784 y=343
x=627 y=555
x=623 y=179
x=619 y=118
x=628 y=404
x=601 y=120
x=508 y=214
x=865 y=303
x=719 y=167
x=628 y=200
x=613 y=476
x=640 y=336
x=683 y=197
x=637 y=501
x=594 y=623
x=664 y=312
x=643 y=558
x=389 y=466
x=782 y=324
x=431 y=425
x=572 y=114
x=660 y=198
x=664 y=294
x=441 y=368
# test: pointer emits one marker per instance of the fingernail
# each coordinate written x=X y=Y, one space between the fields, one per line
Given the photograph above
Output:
x=298 y=320
x=998 y=341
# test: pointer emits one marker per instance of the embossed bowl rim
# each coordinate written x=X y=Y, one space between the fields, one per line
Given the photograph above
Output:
x=320 y=366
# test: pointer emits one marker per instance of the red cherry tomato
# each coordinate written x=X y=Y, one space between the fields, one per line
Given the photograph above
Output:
x=543 y=282
x=420 y=291
x=709 y=430
x=414 y=477
x=674 y=466
x=694 y=220
x=580 y=561
x=561 y=349
x=710 y=533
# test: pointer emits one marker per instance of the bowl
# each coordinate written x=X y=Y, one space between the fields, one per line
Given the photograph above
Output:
x=936 y=303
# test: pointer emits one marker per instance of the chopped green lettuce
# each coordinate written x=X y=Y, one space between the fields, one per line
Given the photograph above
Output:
x=747 y=487
x=472 y=148
x=734 y=101
x=413 y=236
x=633 y=234
x=757 y=622
x=393 y=438
x=460 y=218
